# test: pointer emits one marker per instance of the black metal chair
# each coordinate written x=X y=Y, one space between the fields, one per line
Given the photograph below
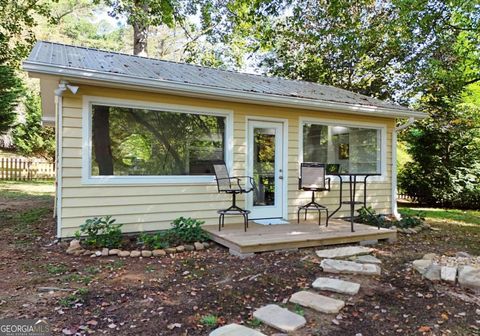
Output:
x=312 y=178
x=234 y=185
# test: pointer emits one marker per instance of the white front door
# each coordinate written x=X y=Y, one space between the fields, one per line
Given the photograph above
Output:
x=265 y=163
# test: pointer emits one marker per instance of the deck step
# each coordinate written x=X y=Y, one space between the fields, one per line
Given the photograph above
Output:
x=234 y=329
x=336 y=285
x=350 y=267
x=279 y=318
x=320 y=303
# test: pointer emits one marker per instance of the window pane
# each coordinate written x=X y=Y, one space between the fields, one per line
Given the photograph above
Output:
x=348 y=149
x=130 y=141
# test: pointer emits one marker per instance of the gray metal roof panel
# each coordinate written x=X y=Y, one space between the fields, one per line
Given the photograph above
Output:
x=82 y=58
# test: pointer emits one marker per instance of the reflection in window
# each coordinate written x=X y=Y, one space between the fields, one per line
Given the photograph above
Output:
x=133 y=141
x=344 y=149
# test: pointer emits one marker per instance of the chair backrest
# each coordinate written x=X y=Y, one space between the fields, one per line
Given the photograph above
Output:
x=223 y=179
x=312 y=176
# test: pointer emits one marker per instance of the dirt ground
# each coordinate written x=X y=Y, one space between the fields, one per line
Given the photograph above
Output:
x=174 y=295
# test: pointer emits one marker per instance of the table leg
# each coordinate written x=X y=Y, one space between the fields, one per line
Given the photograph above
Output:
x=339 y=201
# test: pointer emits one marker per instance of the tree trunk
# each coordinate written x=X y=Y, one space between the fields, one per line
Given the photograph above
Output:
x=101 y=140
x=140 y=32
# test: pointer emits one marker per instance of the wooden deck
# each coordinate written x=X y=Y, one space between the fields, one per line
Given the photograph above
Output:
x=261 y=238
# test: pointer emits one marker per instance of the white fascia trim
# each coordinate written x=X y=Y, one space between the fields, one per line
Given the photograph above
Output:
x=339 y=122
x=225 y=94
x=87 y=179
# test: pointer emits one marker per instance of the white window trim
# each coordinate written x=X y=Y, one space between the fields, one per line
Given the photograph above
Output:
x=332 y=122
x=87 y=177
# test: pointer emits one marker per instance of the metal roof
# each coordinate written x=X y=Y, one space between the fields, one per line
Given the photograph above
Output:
x=74 y=61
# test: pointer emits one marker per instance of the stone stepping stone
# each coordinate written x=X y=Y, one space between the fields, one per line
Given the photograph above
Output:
x=279 y=318
x=320 y=303
x=343 y=266
x=343 y=252
x=448 y=273
x=366 y=259
x=337 y=286
x=469 y=276
x=234 y=329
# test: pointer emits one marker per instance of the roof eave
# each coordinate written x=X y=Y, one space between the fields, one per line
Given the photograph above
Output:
x=224 y=94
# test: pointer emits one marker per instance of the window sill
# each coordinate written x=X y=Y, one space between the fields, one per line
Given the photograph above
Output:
x=148 y=180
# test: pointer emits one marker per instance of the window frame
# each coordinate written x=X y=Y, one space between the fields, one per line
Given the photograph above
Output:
x=87 y=177
x=330 y=122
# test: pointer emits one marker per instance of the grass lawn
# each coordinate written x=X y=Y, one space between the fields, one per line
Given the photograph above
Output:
x=445 y=215
x=192 y=293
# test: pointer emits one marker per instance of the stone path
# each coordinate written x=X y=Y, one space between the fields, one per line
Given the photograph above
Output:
x=336 y=285
x=279 y=318
x=286 y=321
x=320 y=303
x=235 y=330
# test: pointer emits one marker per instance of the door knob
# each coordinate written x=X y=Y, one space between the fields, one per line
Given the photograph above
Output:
x=280 y=177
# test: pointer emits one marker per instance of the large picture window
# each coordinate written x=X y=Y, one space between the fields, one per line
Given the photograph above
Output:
x=131 y=141
x=346 y=149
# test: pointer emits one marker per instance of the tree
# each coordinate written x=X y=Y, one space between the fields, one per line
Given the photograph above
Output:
x=11 y=89
x=31 y=138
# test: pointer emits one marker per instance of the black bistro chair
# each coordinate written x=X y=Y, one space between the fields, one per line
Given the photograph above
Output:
x=232 y=185
x=312 y=178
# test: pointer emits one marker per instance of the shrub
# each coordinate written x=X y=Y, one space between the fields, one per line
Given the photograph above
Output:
x=160 y=240
x=188 y=230
x=101 y=232
x=373 y=219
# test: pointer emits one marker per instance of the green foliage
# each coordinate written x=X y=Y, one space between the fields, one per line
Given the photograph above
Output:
x=101 y=232
x=209 y=320
x=78 y=296
x=371 y=218
x=31 y=138
x=447 y=215
x=56 y=269
x=159 y=240
x=183 y=231
x=188 y=230
x=299 y=310
x=11 y=88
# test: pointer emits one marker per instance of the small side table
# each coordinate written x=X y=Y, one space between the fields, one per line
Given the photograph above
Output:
x=353 y=179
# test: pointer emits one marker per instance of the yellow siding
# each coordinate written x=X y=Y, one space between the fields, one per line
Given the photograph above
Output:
x=153 y=207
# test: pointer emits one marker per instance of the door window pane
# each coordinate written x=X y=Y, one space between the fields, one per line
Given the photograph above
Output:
x=346 y=149
x=264 y=166
x=133 y=141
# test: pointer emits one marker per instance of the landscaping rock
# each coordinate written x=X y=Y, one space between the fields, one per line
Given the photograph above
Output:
x=198 y=246
x=78 y=252
x=135 y=254
x=336 y=285
x=74 y=246
x=189 y=247
x=342 y=266
x=421 y=265
x=320 y=303
x=98 y=253
x=171 y=250
x=462 y=255
x=87 y=252
x=448 y=273
x=432 y=272
x=367 y=259
x=54 y=289
x=279 y=318
x=430 y=256
x=469 y=276
x=105 y=252
x=113 y=252
x=146 y=254
x=206 y=245
x=124 y=253
x=343 y=252
x=159 y=253
x=234 y=329
x=180 y=248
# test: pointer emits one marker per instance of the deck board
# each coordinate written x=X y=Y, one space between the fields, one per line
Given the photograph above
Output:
x=261 y=238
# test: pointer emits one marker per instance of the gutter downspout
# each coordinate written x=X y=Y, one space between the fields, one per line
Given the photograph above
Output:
x=410 y=121
x=62 y=87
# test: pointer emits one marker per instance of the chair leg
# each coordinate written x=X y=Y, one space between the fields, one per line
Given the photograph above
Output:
x=298 y=215
x=319 y=217
x=326 y=225
x=306 y=214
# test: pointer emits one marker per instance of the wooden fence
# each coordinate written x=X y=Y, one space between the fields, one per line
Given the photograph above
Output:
x=24 y=169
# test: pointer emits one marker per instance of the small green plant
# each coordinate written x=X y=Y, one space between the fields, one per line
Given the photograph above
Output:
x=56 y=269
x=299 y=310
x=115 y=265
x=159 y=240
x=408 y=221
x=101 y=232
x=371 y=218
x=209 y=320
x=254 y=322
x=188 y=230
x=78 y=296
